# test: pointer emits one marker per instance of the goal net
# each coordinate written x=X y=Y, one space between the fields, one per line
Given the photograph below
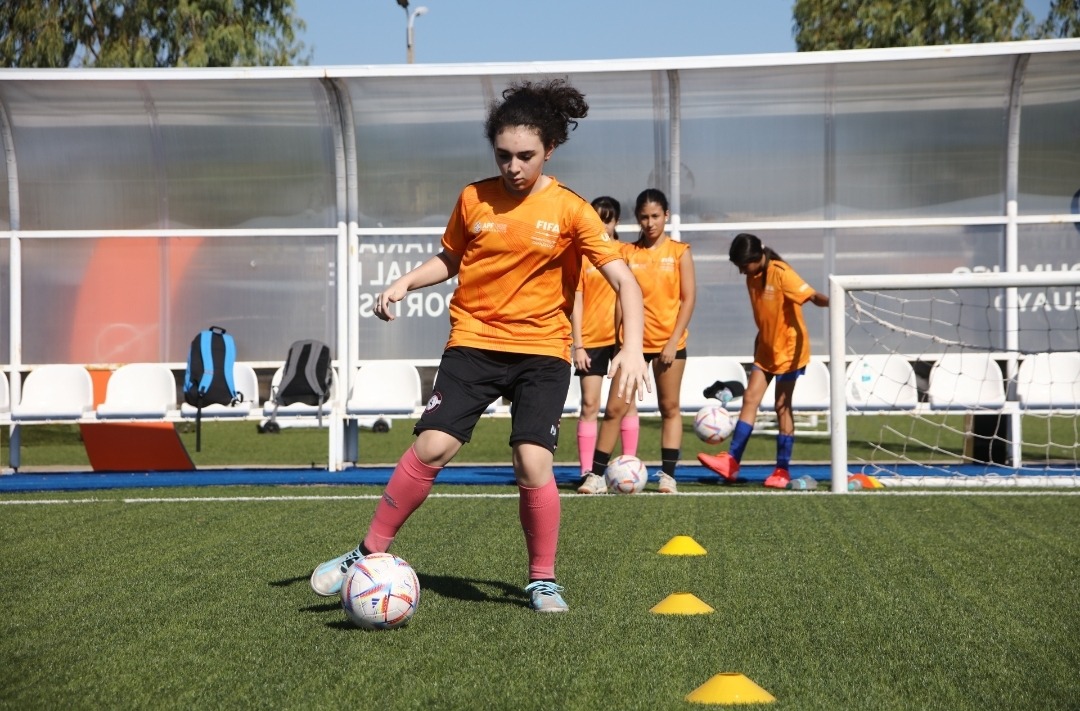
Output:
x=956 y=379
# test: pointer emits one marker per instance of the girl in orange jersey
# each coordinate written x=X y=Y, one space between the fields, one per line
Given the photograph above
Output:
x=781 y=351
x=665 y=271
x=515 y=244
x=593 y=325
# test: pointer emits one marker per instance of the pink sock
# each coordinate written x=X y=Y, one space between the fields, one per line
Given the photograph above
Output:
x=629 y=429
x=586 y=444
x=409 y=485
x=540 y=510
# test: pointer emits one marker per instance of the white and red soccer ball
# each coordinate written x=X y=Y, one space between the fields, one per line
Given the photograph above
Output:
x=380 y=592
x=713 y=424
x=626 y=474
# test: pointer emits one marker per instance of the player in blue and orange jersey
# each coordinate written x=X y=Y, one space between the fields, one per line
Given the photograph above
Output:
x=665 y=270
x=781 y=351
x=593 y=326
x=515 y=244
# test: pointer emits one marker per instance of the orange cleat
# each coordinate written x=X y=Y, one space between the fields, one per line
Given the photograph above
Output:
x=779 y=479
x=723 y=464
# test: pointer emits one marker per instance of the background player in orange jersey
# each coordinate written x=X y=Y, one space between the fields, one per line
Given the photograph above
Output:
x=781 y=351
x=593 y=325
x=665 y=271
x=515 y=244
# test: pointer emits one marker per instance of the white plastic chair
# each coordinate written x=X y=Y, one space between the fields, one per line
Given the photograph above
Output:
x=139 y=391
x=384 y=388
x=703 y=371
x=5 y=403
x=811 y=390
x=881 y=382
x=1049 y=381
x=55 y=392
x=5 y=396
x=965 y=381
x=246 y=383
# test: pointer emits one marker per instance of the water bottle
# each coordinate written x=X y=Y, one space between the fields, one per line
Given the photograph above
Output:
x=724 y=396
x=854 y=485
x=803 y=483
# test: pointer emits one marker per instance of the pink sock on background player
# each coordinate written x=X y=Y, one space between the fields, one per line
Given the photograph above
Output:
x=540 y=511
x=586 y=444
x=629 y=429
x=408 y=487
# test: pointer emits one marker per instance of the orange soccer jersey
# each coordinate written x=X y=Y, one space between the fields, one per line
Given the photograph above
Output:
x=783 y=344
x=598 y=308
x=657 y=272
x=520 y=261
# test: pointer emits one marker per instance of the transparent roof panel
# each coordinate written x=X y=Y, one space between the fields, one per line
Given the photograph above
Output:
x=420 y=142
x=923 y=139
x=173 y=154
x=1050 y=137
x=752 y=144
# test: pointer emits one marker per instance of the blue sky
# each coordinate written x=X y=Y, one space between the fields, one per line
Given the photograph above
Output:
x=373 y=31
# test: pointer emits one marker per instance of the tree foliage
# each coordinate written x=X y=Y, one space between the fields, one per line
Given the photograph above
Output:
x=862 y=24
x=149 y=33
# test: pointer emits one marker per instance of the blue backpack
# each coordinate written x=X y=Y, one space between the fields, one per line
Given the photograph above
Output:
x=208 y=379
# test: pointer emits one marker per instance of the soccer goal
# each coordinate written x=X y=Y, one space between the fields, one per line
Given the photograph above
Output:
x=968 y=379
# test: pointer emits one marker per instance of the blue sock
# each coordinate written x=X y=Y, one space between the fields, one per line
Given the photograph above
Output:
x=739 y=439
x=784 y=445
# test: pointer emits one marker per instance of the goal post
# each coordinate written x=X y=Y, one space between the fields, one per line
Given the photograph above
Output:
x=956 y=333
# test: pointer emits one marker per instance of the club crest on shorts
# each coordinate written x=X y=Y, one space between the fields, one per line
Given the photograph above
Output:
x=434 y=402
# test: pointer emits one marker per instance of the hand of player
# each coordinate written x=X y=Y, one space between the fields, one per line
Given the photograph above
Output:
x=667 y=355
x=392 y=295
x=632 y=375
x=582 y=361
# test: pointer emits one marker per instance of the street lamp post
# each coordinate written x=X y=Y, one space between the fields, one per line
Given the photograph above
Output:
x=409 y=28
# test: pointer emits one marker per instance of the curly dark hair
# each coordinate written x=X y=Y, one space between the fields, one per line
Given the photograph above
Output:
x=550 y=107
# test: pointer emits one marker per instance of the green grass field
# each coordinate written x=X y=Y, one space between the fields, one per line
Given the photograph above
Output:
x=238 y=443
x=198 y=598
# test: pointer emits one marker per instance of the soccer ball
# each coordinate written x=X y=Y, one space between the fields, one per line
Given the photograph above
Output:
x=713 y=424
x=626 y=474
x=380 y=592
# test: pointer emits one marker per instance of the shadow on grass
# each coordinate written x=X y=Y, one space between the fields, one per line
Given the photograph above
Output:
x=472 y=590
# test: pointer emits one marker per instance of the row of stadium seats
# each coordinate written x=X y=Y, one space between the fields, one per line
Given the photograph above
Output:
x=957 y=381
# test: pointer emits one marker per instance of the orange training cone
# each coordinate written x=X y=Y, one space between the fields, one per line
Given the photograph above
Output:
x=730 y=688
x=681 y=604
x=682 y=545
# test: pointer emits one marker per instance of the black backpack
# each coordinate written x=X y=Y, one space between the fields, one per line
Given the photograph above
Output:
x=208 y=379
x=305 y=379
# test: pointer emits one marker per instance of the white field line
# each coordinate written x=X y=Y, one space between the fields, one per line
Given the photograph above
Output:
x=568 y=497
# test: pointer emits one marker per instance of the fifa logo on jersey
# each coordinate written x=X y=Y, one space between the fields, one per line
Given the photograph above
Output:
x=545 y=226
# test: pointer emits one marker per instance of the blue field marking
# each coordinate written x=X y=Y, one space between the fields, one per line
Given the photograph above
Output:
x=473 y=474
x=453 y=474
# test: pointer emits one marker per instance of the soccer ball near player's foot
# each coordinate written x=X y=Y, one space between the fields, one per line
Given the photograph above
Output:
x=713 y=424
x=626 y=475
x=380 y=592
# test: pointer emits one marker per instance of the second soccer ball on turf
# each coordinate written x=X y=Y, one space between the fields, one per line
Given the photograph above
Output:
x=626 y=474
x=380 y=592
x=713 y=424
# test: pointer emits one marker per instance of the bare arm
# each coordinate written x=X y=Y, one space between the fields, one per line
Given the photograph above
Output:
x=434 y=271
x=578 y=354
x=687 y=299
x=819 y=299
x=629 y=363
